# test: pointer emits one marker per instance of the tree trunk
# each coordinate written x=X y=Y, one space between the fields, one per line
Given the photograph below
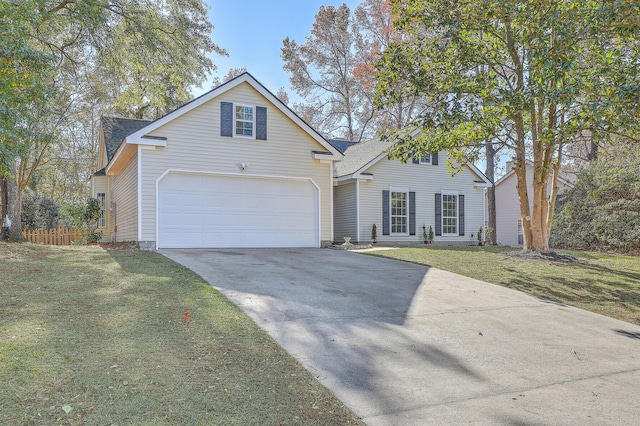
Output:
x=554 y=190
x=11 y=203
x=521 y=186
x=491 y=233
x=593 y=150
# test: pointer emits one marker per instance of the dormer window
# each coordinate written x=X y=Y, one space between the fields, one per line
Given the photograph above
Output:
x=244 y=120
x=425 y=159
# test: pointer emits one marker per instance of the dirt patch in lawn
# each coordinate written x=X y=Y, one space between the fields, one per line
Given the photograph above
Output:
x=127 y=245
x=550 y=256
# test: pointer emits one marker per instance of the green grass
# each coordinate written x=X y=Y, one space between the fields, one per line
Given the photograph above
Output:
x=607 y=284
x=97 y=337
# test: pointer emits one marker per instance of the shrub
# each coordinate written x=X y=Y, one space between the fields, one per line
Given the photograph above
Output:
x=603 y=209
x=85 y=216
x=39 y=212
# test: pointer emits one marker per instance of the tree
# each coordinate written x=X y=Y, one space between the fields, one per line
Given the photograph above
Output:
x=155 y=54
x=535 y=73
x=374 y=32
x=322 y=72
x=25 y=87
x=146 y=54
x=230 y=75
x=490 y=173
x=283 y=95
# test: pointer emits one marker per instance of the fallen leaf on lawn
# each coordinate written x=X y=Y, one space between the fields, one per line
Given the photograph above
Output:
x=67 y=409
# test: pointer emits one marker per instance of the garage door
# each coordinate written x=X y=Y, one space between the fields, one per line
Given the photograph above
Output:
x=214 y=211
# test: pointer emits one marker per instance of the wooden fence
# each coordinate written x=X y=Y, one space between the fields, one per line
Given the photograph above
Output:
x=58 y=237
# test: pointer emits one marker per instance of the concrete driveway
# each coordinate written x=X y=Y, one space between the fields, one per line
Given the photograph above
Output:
x=402 y=344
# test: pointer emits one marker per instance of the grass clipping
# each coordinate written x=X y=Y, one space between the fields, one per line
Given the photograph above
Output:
x=89 y=336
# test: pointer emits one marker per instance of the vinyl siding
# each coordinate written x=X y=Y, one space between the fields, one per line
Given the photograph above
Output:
x=125 y=196
x=508 y=211
x=194 y=143
x=344 y=212
x=425 y=180
x=508 y=206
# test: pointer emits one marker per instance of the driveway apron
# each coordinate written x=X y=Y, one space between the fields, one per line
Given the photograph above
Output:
x=403 y=344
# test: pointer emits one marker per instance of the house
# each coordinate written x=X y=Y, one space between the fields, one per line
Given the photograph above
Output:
x=371 y=189
x=508 y=217
x=232 y=168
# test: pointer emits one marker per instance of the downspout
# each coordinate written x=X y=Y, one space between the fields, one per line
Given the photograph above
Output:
x=139 y=200
x=358 y=211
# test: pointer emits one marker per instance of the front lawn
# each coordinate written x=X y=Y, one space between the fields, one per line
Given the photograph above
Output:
x=89 y=336
x=604 y=283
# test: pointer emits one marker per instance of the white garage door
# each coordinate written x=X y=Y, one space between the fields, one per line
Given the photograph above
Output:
x=213 y=211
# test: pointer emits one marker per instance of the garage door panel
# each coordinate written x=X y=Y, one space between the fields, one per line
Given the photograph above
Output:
x=224 y=211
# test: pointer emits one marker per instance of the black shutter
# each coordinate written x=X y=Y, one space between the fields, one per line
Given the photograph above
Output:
x=460 y=215
x=412 y=213
x=434 y=158
x=438 y=214
x=415 y=160
x=261 y=123
x=226 y=119
x=385 y=213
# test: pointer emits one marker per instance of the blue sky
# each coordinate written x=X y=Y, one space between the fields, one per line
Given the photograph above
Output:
x=252 y=32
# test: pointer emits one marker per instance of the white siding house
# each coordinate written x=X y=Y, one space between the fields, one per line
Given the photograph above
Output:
x=508 y=217
x=401 y=199
x=233 y=168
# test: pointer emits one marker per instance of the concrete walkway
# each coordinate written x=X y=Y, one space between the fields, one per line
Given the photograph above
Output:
x=402 y=344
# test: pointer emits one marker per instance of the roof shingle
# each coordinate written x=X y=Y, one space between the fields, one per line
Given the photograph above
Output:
x=115 y=129
x=359 y=155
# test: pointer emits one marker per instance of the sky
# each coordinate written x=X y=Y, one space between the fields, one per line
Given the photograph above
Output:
x=252 y=31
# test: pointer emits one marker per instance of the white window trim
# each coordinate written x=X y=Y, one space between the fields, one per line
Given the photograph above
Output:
x=391 y=191
x=424 y=162
x=102 y=218
x=442 y=194
x=519 y=232
x=253 y=122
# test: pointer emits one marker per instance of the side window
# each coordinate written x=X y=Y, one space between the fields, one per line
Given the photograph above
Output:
x=520 y=233
x=102 y=218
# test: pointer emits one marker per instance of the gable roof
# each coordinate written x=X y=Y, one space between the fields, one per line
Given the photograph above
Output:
x=141 y=137
x=564 y=180
x=359 y=155
x=115 y=129
x=341 y=144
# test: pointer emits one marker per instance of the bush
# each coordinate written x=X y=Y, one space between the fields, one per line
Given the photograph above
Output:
x=39 y=212
x=603 y=209
x=85 y=216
